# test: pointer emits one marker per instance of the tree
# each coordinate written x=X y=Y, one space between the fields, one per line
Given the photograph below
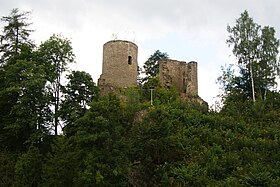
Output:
x=101 y=137
x=15 y=35
x=28 y=168
x=56 y=53
x=244 y=38
x=23 y=103
x=151 y=66
x=61 y=163
x=77 y=94
x=23 y=108
x=268 y=66
x=256 y=51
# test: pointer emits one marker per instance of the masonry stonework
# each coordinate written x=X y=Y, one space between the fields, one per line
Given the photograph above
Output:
x=180 y=74
x=119 y=70
x=119 y=67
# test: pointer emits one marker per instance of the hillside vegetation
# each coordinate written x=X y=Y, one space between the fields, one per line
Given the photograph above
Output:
x=123 y=140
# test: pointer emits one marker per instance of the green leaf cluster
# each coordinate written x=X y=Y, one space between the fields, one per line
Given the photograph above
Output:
x=256 y=50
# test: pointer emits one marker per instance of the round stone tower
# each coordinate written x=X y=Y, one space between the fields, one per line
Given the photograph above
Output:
x=119 y=67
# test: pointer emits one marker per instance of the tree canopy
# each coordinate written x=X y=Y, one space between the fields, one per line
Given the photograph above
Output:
x=151 y=66
x=256 y=50
x=15 y=35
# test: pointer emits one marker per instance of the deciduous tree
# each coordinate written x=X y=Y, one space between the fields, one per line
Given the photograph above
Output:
x=256 y=50
x=56 y=54
x=151 y=66
x=77 y=94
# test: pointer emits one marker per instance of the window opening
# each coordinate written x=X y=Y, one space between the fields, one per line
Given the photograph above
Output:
x=129 y=61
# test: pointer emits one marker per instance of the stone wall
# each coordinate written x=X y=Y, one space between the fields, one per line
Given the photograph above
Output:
x=191 y=78
x=119 y=66
x=119 y=70
x=180 y=74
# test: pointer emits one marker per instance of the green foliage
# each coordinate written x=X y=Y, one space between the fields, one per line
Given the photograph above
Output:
x=132 y=102
x=189 y=175
x=24 y=109
x=7 y=163
x=22 y=103
x=158 y=142
x=151 y=83
x=101 y=136
x=78 y=93
x=28 y=168
x=256 y=50
x=55 y=54
x=60 y=167
x=124 y=140
x=258 y=176
x=158 y=95
x=151 y=66
x=15 y=35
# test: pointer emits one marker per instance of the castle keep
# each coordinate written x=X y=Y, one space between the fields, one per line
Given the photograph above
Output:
x=119 y=67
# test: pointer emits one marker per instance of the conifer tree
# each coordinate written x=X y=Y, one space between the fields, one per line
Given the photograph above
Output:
x=15 y=35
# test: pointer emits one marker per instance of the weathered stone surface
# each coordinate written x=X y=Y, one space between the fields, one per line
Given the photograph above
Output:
x=180 y=74
x=119 y=67
x=119 y=70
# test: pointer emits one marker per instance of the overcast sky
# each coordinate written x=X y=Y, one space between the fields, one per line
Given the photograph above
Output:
x=187 y=30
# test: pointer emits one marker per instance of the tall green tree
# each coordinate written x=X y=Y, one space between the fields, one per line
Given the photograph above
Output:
x=56 y=54
x=102 y=139
x=268 y=66
x=151 y=66
x=23 y=108
x=256 y=50
x=77 y=94
x=15 y=35
x=24 y=105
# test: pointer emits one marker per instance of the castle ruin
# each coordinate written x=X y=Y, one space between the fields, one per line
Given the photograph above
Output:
x=180 y=74
x=119 y=70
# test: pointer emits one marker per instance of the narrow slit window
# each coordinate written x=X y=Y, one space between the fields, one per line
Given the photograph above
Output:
x=129 y=60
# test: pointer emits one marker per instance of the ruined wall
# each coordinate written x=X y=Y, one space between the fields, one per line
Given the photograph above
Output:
x=191 y=79
x=180 y=74
x=119 y=66
x=119 y=70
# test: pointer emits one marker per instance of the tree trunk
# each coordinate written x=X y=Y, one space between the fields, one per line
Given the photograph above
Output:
x=55 y=113
x=56 y=106
x=252 y=82
x=16 y=50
